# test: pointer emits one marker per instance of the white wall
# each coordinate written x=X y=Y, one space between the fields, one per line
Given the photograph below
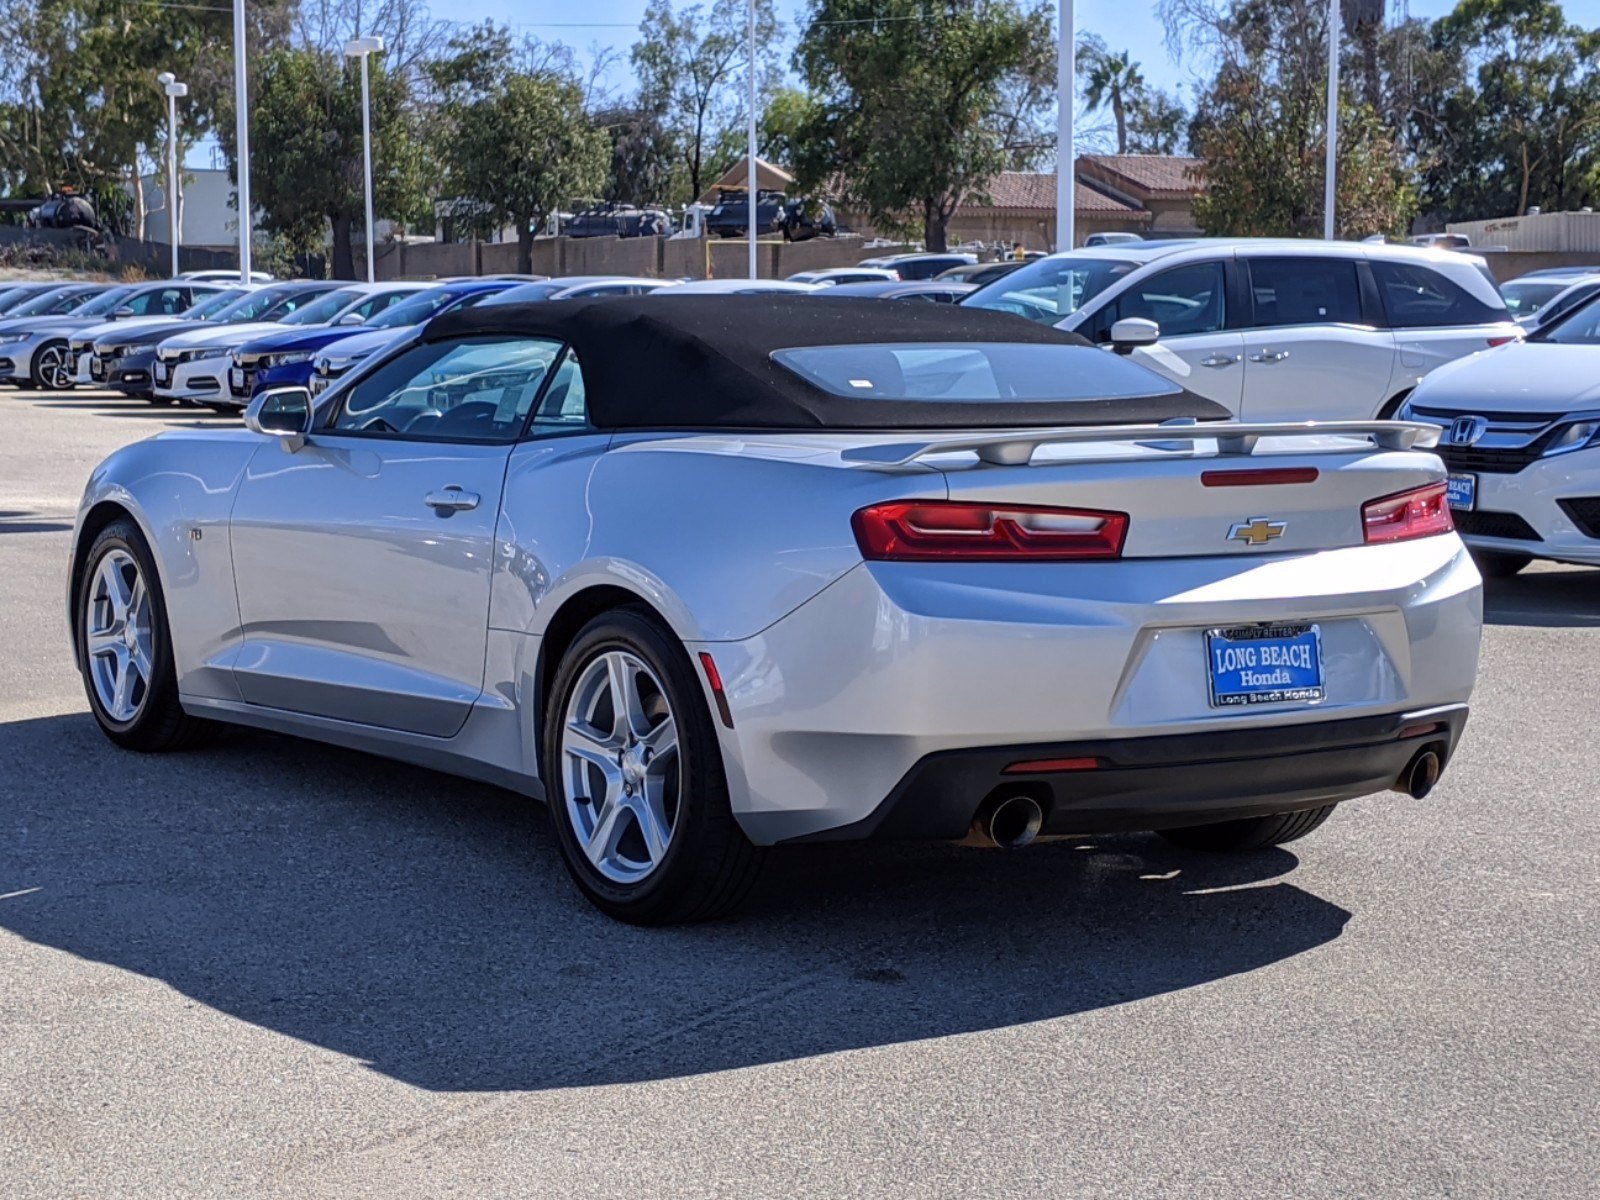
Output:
x=208 y=215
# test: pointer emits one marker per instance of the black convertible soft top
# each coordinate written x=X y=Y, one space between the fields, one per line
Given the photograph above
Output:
x=706 y=362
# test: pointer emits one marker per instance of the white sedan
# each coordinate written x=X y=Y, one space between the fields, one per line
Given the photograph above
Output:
x=826 y=570
x=1520 y=433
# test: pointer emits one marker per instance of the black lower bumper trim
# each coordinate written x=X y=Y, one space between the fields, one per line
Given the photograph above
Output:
x=1166 y=781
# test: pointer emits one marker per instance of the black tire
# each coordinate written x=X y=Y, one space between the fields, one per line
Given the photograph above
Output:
x=55 y=350
x=1494 y=565
x=1251 y=833
x=709 y=865
x=160 y=724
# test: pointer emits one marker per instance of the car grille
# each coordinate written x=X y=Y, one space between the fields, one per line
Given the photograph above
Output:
x=1585 y=514
x=1496 y=525
x=1511 y=443
x=1488 y=460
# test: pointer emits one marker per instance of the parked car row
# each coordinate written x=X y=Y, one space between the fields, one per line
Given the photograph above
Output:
x=1269 y=330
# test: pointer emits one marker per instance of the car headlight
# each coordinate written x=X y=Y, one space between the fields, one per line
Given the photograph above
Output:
x=1574 y=437
x=284 y=359
x=7 y=339
x=136 y=348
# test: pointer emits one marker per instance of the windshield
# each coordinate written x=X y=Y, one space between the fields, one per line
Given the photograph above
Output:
x=269 y=304
x=973 y=371
x=52 y=303
x=212 y=305
x=528 y=291
x=1579 y=328
x=105 y=302
x=415 y=310
x=1524 y=299
x=324 y=308
x=1051 y=289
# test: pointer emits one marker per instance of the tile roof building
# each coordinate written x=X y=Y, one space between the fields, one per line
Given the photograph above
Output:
x=1148 y=194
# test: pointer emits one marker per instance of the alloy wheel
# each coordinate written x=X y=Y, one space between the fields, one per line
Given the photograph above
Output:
x=620 y=766
x=117 y=636
x=53 y=368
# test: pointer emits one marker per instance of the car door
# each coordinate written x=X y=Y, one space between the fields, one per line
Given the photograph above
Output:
x=1314 y=349
x=1199 y=348
x=362 y=559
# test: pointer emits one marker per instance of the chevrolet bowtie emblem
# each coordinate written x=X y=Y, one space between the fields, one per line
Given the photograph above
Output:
x=1257 y=531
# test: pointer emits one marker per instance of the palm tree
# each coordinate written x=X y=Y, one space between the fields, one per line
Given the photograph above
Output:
x=1113 y=79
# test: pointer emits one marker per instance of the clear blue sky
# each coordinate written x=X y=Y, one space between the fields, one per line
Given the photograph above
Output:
x=1123 y=24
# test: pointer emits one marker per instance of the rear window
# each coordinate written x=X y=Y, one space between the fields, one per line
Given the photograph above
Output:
x=973 y=372
x=1416 y=297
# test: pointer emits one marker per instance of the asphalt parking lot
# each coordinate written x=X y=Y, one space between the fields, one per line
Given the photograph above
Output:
x=271 y=968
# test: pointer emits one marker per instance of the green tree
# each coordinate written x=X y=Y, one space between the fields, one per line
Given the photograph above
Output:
x=1158 y=123
x=306 y=172
x=1114 y=80
x=907 y=94
x=693 y=69
x=1513 y=115
x=79 y=101
x=513 y=135
x=1261 y=128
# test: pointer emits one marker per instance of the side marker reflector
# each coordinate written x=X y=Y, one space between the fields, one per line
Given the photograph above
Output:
x=714 y=678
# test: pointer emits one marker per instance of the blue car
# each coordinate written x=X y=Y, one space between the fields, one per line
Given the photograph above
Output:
x=286 y=359
x=277 y=359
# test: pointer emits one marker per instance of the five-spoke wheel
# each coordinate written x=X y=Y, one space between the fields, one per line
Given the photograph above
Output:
x=634 y=776
x=117 y=637
x=124 y=647
x=619 y=763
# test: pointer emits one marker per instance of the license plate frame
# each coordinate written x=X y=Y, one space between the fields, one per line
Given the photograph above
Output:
x=160 y=373
x=236 y=379
x=1461 y=491
x=97 y=367
x=1267 y=664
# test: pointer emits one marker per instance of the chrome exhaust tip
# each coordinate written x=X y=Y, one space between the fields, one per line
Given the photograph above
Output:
x=1009 y=823
x=1419 y=778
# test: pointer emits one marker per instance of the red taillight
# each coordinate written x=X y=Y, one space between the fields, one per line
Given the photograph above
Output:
x=1421 y=512
x=955 y=531
x=1505 y=340
x=714 y=678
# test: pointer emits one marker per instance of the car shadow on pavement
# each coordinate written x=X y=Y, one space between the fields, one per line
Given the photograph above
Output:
x=1564 y=598
x=425 y=926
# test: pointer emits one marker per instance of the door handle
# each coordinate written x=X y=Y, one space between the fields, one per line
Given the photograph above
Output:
x=1269 y=356
x=1219 y=360
x=451 y=499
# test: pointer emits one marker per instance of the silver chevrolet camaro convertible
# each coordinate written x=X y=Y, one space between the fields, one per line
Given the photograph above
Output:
x=717 y=574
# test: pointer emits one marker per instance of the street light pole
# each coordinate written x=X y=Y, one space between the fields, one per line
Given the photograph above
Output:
x=365 y=48
x=750 y=141
x=1330 y=174
x=174 y=89
x=1066 y=88
x=241 y=105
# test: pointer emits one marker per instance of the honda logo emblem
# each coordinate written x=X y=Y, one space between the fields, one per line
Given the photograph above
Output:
x=1465 y=431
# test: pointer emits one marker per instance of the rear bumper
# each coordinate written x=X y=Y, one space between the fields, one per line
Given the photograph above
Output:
x=1163 y=782
x=836 y=705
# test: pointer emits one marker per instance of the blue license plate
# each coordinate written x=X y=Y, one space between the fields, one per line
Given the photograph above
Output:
x=1462 y=491
x=1264 y=664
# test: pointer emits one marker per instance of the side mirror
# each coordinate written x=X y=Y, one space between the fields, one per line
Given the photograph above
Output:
x=283 y=413
x=125 y=311
x=1132 y=332
x=350 y=319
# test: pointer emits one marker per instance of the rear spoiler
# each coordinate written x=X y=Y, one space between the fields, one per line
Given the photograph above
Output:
x=1015 y=447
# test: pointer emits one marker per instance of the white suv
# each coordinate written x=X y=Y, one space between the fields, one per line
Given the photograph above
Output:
x=1273 y=329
